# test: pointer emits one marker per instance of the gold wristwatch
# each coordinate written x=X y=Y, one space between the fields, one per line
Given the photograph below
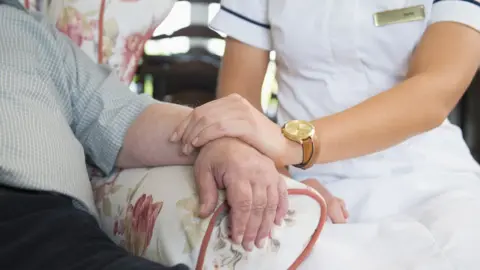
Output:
x=303 y=132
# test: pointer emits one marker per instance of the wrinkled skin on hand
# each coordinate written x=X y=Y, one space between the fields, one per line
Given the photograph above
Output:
x=256 y=193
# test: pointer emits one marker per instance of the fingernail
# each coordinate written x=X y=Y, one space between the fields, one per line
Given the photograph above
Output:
x=194 y=142
x=174 y=137
x=250 y=246
x=262 y=242
x=279 y=223
x=238 y=239
x=185 y=149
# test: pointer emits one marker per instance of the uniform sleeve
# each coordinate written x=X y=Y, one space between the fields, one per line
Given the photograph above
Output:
x=462 y=11
x=246 y=21
x=103 y=107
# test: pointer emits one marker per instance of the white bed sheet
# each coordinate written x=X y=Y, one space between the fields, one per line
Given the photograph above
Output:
x=421 y=221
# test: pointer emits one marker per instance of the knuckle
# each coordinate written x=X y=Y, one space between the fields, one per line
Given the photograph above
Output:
x=239 y=99
x=249 y=236
x=243 y=101
x=197 y=115
x=235 y=96
x=282 y=193
x=258 y=208
x=203 y=120
x=271 y=208
x=266 y=176
x=201 y=164
x=243 y=207
x=220 y=126
x=239 y=232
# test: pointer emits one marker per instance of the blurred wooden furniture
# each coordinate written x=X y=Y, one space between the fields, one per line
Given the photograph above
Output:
x=471 y=117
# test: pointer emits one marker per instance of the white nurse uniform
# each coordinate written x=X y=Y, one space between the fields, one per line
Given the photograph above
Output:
x=414 y=205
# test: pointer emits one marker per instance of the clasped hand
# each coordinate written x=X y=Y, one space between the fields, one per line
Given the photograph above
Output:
x=256 y=193
x=239 y=145
x=234 y=117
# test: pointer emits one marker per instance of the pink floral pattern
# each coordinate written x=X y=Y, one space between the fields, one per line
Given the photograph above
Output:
x=106 y=188
x=75 y=25
x=138 y=224
x=152 y=212
x=132 y=222
x=127 y=25
x=132 y=51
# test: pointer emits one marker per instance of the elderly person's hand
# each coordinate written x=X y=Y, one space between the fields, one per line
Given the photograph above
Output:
x=234 y=116
x=255 y=191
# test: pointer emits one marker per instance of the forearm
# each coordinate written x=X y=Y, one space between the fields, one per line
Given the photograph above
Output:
x=147 y=142
x=382 y=121
x=228 y=86
x=243 y=72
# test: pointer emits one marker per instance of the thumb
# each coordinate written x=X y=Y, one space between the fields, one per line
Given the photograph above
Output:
x=337 y=215
x=207 y=190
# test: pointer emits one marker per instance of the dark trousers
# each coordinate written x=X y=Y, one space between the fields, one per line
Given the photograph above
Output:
x=45 y=231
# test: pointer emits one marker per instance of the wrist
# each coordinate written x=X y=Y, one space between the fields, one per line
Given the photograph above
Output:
x=292 y=153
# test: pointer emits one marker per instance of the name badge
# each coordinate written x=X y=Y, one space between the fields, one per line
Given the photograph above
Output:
x=402 y=15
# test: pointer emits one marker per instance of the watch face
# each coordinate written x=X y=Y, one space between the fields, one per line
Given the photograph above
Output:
x=299 y=129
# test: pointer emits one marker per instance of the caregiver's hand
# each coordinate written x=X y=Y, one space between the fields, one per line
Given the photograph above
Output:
x=256 y=193
x=231 y=116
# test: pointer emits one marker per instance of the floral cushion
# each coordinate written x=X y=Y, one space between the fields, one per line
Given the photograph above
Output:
x=32 y=5
x=119 y=27
x=151 y=213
